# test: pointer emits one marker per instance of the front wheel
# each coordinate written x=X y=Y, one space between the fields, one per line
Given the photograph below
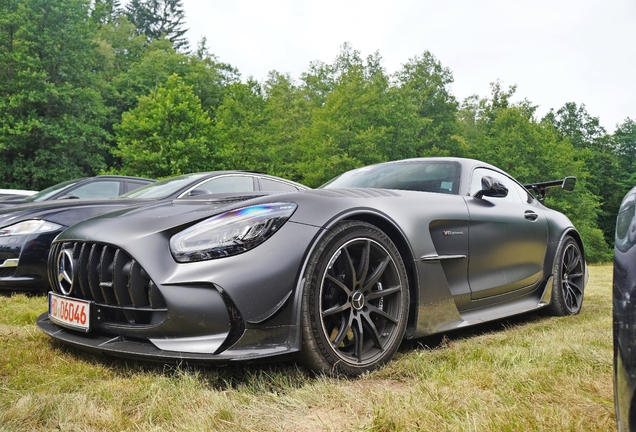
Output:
x=355 y=301
x=569 y=279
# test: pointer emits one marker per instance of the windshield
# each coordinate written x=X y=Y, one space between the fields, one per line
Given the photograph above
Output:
x=163 y=188
x=48 y=192
x=423 y=176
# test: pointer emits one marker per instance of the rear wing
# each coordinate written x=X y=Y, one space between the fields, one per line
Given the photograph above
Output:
x=567 y=184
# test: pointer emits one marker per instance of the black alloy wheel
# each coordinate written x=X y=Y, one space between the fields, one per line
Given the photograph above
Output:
x=355 y=304
x=569 y=280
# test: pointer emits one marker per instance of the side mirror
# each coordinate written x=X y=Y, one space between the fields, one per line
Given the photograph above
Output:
x=198 y=192
x=491 y=188
x=568 y=184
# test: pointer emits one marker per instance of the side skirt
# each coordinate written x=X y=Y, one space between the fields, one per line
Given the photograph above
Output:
x=444 y=316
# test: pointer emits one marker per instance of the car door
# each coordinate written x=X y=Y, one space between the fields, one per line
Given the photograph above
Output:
x=507 y=238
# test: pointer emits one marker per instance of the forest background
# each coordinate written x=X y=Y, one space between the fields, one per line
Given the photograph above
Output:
x=90 y=87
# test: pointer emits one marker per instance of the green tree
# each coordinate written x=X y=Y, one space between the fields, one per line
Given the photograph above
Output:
x=625 y=143
x=239 y=128
x=424 y=83
x=288 y=115
x=119 y=47
x=158 y=60
x=624 y=139
x=105 y=11
x=158 y=19
x=597 y=150
x=51 y=113
x=167 y=134
x=576 y=123
x=349 y=130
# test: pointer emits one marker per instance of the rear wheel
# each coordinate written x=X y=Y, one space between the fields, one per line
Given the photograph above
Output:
x=569 y=279
x=355 y=301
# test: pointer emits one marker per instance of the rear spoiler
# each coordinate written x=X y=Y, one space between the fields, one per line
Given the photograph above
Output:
x=567 y=184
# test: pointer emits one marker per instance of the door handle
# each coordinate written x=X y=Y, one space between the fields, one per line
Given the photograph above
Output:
x=530 y=215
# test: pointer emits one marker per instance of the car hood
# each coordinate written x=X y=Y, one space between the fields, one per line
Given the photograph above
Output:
x=64 y=213
x=315 y=207
x=138 y=221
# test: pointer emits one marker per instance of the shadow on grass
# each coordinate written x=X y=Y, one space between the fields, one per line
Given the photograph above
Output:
x=274 y=376
x=441 y=340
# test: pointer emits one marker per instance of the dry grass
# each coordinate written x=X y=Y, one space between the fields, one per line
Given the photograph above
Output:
x=525 y=373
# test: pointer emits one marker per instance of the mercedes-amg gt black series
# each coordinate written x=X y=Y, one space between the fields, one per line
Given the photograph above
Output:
x=337 y=275
x=26 y=231
x=624 y=311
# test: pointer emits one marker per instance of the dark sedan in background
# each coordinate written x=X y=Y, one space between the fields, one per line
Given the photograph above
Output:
x=99 y=187
x=624 y=311
x=26 y=231
x=339 y=275
x=15 y=193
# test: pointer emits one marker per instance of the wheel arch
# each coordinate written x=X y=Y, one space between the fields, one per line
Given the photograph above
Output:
x=391 y=229
x=571 y=232
x=558 y=304
x=577 y=238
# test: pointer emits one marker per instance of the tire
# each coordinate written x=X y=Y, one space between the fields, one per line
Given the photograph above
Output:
x=355 y=301
x=569 y=279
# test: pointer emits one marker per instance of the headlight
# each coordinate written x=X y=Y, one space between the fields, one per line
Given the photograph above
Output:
x=230 y=233
x=29 y=227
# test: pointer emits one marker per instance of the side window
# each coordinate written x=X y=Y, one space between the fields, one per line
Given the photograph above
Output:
x=228 y=184
x=132 y=185
x=479 y=173
x=275 y=186
x=524 y=194
x=97 y=190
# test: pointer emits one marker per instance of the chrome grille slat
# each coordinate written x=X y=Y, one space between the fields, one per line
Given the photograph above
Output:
x=121 y=289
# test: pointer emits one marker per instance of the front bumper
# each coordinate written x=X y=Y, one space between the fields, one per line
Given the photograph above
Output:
x=254 y=344
x=23 y=261
x=148 y=306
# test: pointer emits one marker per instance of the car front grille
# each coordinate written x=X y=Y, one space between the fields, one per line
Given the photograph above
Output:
x=7 y=272
x=122 y=290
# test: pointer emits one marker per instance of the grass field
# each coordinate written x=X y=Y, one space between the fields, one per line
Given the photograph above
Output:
x=522 y=374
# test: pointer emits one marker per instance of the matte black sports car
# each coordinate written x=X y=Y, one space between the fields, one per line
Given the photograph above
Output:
x=624 y=310
x=26 y=231
x=339 y=274
x=98 y=187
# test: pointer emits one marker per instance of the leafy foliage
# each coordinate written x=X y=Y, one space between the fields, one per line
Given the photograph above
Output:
x=94 y=86
x=51 y=116
x=167 y=134
x=158 y=19
x=598 y=151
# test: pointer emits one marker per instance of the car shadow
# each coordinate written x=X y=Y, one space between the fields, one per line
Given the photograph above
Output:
x=441 y=340
x=277 y=375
